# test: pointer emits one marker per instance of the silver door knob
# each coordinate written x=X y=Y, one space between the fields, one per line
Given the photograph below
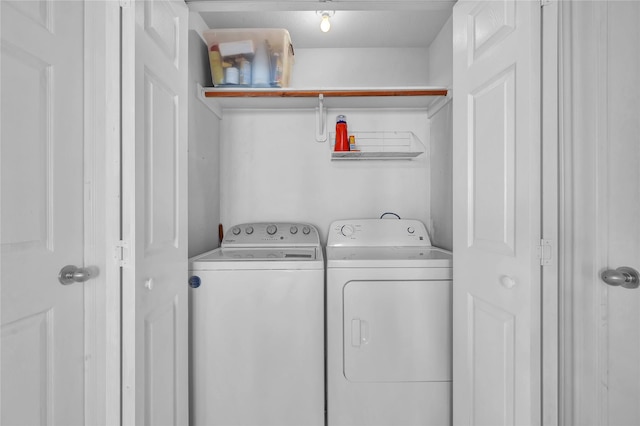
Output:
x=624 y=276
x=507 y=281
x=72 y=274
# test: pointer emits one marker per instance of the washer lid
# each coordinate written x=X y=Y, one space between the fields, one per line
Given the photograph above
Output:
x=272 y=259
x=388 y=257
x=259 y=254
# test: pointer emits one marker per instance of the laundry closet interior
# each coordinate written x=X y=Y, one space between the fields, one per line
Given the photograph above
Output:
x=265 y=159
x=261 y=155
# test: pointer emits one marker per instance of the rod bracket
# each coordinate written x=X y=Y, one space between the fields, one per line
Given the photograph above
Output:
x=321 y=120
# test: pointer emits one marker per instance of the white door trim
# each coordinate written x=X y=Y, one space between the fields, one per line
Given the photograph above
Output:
x=550 y=205
x=102 y=211
x=565 y=213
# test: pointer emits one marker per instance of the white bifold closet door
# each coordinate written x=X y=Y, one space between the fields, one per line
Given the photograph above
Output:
x=42 y=212
x=55 y=146
x=496 y=203
x=155 y=333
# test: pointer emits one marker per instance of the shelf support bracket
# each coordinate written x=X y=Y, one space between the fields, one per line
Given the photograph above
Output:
x=435 y=107
x=321 y=120
x=212 y=105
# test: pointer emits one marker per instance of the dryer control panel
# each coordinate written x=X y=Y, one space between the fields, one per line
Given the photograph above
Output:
x=271 y=234
x=378 y=233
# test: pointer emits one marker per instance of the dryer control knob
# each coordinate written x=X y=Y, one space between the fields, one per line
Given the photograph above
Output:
x=249 y=230
x=236 y=231
x=347 y=230
x=411 y=230
x=293 y=230
x=272 y=229
x=306 y=230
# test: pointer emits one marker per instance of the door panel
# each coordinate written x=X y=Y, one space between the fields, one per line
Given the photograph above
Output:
x=491 y=349
x=154 y=212
x=161 y=179
x=161 y=369
x=622 y=176
x=603 y=206
x=31 y=121
x=491 y=155
x=43 y=345
x=28 y=341
x=489 y=24
x=496 y=297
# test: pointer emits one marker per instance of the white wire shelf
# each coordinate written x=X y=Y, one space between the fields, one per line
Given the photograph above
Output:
x=399 y=145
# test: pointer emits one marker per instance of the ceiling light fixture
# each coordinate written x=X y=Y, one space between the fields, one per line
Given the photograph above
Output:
x=325 y=25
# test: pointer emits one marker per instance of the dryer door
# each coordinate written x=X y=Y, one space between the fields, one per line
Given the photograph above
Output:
x=397 y=331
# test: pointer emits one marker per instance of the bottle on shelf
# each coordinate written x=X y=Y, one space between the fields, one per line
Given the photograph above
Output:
x=261 y=72
x=215 y=61
x=342 y=140
x=277 y=70
x=245 y=72
x=352 y=143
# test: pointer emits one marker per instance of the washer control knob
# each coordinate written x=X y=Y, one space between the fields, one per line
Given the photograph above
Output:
x=293 y=230
x=249 y=230
x=306 y=230
x=272 y=229
x=411 y=230
x=347 y=230
x=236 y=230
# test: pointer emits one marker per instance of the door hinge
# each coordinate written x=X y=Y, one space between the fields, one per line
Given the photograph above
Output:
x=544 y=252
x=125 y=3
x=121 y=253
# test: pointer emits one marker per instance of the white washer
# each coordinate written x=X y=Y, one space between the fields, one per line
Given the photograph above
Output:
x=388 y=325
x=257 y=312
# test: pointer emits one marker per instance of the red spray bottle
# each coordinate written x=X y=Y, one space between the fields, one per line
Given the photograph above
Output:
x=342 y=138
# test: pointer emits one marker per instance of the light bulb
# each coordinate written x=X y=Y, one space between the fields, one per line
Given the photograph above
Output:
x=325 y=25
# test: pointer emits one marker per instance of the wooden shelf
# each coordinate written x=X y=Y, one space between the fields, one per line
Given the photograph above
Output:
x=409 y=97
x=327 y=93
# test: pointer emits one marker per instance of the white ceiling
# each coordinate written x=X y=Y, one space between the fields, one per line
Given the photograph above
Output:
x=396 y=23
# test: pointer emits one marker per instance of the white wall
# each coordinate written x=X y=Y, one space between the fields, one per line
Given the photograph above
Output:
x=441 y=225
x=441 y=57
x=379 y=67
x=204 y=160
x=441 y=74
x=272 y=169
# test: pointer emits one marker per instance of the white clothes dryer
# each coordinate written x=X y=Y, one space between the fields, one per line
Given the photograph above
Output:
x=389 y=325
x=257 y=331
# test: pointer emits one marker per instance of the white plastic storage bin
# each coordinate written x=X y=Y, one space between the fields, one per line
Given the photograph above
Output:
x=251 y=57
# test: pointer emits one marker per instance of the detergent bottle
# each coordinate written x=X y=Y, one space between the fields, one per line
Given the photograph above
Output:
x=342 y=139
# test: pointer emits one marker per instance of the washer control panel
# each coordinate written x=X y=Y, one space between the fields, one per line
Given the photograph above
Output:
x=270 y=234
x=378 y=233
